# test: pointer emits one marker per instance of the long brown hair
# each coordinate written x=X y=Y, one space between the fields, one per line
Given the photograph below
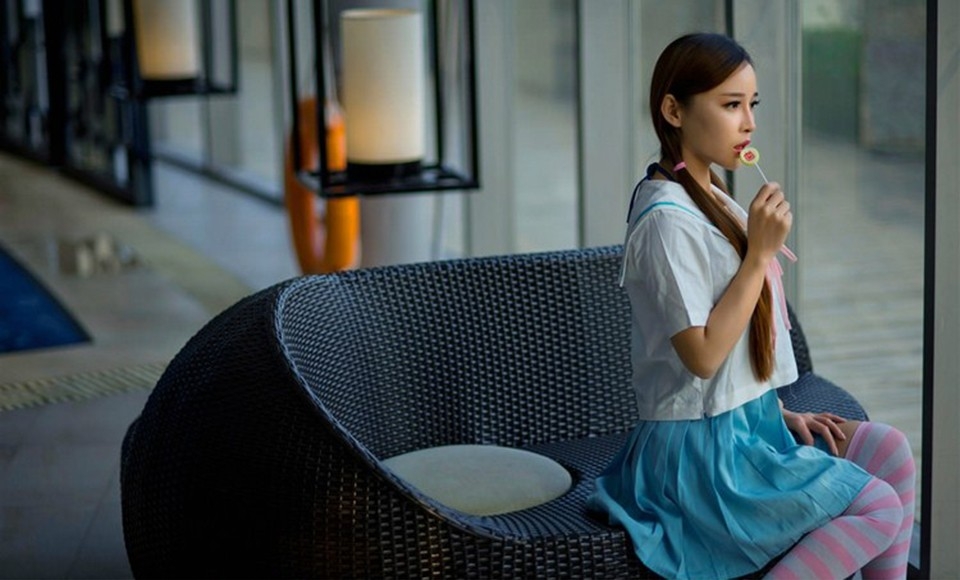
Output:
x=690 y=65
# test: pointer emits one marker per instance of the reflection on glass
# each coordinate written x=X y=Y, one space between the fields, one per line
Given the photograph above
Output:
x=177 y=126
x=93 y=126
x=242 y=129
x=235 y=135
x=25 y=109
x=861 y=222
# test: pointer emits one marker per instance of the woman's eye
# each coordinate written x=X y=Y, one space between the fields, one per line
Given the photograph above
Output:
x=732 y=105
x=753 y=104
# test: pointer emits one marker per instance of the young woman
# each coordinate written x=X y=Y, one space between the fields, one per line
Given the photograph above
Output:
x=711 y=483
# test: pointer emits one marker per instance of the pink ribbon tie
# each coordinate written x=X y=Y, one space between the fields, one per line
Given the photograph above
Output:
x=774 y=277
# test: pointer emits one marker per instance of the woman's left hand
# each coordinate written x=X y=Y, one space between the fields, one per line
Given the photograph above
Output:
x=806 y=425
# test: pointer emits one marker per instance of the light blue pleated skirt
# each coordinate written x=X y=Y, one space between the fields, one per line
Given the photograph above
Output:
x=720 y=497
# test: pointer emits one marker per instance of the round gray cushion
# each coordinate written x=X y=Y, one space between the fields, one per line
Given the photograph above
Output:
x=482 y=480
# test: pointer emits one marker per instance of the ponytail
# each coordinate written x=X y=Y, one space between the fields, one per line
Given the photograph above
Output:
x=761 y=330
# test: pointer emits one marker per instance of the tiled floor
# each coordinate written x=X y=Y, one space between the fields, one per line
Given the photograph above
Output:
x=59 y=463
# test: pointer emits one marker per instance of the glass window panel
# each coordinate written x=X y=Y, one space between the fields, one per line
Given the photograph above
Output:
x=239 y=134
x=862 y=203
x=177 y=126
x=544 y=95
x=25 y=106
x=661 y=23
x=243 y=127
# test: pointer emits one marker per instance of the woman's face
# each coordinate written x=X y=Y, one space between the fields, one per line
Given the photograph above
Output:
x=717 y=124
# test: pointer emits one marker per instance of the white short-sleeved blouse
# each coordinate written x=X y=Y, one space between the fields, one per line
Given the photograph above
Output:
x=676 y=266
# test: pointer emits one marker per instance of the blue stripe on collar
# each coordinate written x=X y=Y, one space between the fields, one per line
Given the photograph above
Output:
x=649 y=208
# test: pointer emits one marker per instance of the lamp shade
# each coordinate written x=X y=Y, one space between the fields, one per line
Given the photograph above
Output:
x=383 y=87
x=167 y=40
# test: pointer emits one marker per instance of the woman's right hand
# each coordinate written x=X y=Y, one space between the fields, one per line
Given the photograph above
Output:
x=702 y=349
x=768 y=222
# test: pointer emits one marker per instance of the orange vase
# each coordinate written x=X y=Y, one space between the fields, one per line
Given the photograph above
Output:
x=328 y=241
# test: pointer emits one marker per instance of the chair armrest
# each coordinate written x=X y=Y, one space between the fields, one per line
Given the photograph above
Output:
x=812 y=393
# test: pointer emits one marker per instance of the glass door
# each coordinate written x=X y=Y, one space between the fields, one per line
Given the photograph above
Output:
x=861 y=223
x=843 y=90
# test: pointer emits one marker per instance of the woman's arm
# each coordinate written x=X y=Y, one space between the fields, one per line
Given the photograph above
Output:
x=702 y=349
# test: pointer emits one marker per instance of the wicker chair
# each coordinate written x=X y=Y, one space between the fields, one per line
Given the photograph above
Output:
x=259 y=452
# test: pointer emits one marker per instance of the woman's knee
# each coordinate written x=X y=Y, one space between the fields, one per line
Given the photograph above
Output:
x=880 y=449
x=880 y=504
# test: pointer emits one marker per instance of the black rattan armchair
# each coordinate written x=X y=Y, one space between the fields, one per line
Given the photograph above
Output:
x=259 y=452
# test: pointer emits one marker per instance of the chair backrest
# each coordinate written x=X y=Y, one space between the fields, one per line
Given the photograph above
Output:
x=801 y=351
x=511 y=350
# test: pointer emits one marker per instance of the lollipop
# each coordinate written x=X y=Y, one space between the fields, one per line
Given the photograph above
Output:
x=750 y=156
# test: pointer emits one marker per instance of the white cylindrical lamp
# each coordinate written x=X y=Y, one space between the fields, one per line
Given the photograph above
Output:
x=115 y=26
x=168 y=43
x=383 y=92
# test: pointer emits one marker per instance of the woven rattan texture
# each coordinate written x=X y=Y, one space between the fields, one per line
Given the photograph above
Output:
x=801 y=351
x=501 y=351
x=258 y=453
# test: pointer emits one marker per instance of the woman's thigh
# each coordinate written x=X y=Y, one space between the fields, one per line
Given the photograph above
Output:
x=848 y=428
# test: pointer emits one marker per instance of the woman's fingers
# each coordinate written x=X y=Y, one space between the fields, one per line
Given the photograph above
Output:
x=771 y=201
x=835 y=418
x=831 y=443
x=805 y=425
x=797 y=422
x=832 y=426
x=770 y=220
x=831 y=434
x=823 y=430
x=804 y=432
x=766 y=193
x=778 y=203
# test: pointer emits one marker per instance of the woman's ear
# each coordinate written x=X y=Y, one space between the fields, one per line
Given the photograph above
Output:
x=670 y=109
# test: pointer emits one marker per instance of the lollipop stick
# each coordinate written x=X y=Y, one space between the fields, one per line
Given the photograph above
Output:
x=765 y=180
